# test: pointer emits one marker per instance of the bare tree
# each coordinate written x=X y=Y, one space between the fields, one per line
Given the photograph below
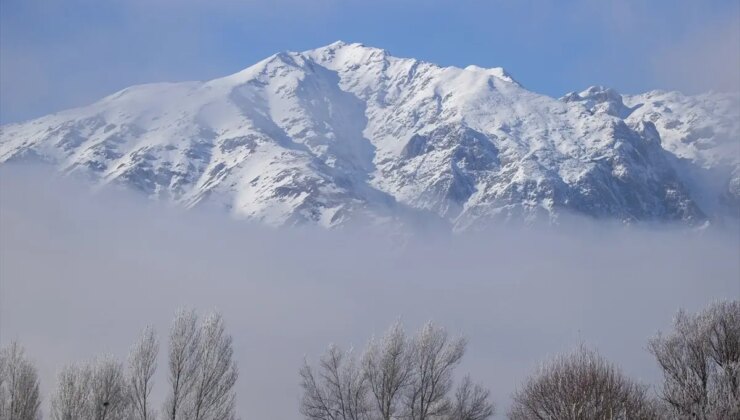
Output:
x=4 y=392
x=202 y=374
x=19 y=385
x=71 y=400
x=216 y=373
x=340 y=390
x=109 y=396
x=581 y=386
x=701 y=363
x=434 y=357
x=142 y=364
x=201 y=368
x=184 y=354
x=93 y=391
x=471 y=402
x=398 y=378
x=387 y=370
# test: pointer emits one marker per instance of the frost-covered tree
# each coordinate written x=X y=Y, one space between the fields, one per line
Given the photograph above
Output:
x=93 y=391
x=433 y=358
x=19 y=385
x=213 y=395
x=387 y=370
x=142 y=363
x=72 y=397
x=472 y=402
x=338 y=391
x=700 y=361
x=202 y=372
x=398 y=377
x=109 y=393
x=184 y=348
x=581 y=386
x=202 y=378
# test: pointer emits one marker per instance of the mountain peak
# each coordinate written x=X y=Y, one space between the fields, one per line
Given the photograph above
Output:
x=348 y=132
x=337 y=45
x=600 y=99
x=498 y=72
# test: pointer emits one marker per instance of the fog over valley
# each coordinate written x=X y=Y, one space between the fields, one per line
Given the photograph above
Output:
x=83 y=273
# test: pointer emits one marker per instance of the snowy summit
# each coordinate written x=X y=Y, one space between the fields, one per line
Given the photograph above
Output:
x=347 y=131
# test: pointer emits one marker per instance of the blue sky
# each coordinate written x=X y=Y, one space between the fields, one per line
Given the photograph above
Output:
x=56 y=54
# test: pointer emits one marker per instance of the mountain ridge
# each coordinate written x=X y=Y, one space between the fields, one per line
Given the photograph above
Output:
x=346 y=132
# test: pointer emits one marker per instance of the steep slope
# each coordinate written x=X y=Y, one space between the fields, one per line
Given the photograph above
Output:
x=702 y=134
x=346 y=131
x=704 y=130
x=260 y=142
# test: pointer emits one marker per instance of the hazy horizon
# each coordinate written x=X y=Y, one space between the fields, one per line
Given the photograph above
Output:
x=83 y=273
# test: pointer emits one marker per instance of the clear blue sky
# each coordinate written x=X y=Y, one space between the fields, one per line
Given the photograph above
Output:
x=56 y=54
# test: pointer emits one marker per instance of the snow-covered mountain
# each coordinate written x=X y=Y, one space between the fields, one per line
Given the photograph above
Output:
x=347 y=131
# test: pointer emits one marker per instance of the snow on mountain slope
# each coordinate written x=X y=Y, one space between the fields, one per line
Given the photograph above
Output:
x=348 y=131
x=702 y=133
x=705 y=130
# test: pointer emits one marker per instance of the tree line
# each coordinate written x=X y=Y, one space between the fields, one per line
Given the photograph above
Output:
x=201 y=378
x=397 y=376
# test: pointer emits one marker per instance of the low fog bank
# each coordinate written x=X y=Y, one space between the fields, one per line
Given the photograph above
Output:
x=82 y=274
